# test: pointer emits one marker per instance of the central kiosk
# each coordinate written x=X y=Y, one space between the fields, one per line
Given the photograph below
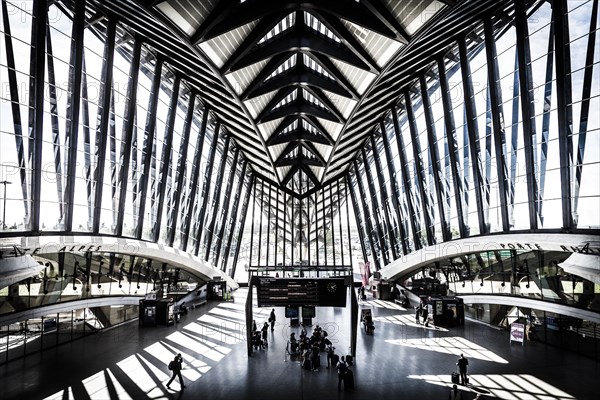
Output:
x=305 y=294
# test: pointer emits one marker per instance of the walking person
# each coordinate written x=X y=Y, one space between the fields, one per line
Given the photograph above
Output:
x=264 y=330
x=176 y=367
x=272 y=319
x=462 y=368
x=425 y=313
x=342 y=368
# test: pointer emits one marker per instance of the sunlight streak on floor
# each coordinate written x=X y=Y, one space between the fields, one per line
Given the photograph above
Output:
x=382 y=304
x=207 y=349
x=149 y=373
x=66 y=394
x=137 y=371
x=504 y=386
x=97 y=386
x=408 y=320
x=451 y=345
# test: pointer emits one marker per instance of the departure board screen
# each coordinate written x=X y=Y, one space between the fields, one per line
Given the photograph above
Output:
x=277 y=292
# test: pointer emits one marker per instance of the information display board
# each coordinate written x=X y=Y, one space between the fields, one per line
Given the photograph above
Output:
x=281 y=292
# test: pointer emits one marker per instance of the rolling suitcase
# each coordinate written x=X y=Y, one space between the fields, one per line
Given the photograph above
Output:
x=455 y=378
x=349 y=379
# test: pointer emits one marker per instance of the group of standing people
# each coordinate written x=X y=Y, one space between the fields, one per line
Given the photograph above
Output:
x=309 y=348
x=259 y=337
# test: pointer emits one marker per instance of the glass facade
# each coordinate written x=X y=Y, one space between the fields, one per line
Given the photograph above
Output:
x=465 y=161
x=101 y=134
x=136 y=158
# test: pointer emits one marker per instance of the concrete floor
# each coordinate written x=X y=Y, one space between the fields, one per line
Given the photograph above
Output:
x=402 y=360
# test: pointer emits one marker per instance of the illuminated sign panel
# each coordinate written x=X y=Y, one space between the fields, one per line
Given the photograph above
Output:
x=276 y=292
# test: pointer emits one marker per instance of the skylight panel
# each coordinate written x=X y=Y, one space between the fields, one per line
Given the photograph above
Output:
x=310 y=127
x=281 y=27
x=287 y=99
x=309 y=97
x=318 y=26
x=312 y=64
x=290 y=127
x=289 y=63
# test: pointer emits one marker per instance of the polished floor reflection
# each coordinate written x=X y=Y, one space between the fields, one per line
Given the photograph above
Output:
x=402 y=360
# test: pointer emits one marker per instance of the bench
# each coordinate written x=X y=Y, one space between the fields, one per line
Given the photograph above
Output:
x=198 y=303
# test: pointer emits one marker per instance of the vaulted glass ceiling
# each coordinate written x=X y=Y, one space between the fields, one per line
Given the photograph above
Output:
x=300 y=71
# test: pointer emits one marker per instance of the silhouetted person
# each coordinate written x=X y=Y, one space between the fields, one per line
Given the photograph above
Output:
x=342 y=367
x=462 y=368
x=272 y=319
x=176 y=368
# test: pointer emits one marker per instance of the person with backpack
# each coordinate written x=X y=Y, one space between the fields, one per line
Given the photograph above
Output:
x=342 y=368
x=330 y=350
x=176 y=367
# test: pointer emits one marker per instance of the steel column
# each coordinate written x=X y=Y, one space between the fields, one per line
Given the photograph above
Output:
x=233 y=217
x=362 y=245
x=473 y=132
x=216 y=199
x=359 y=223
x=339 y=213
x=173 y=211
x=367 y=215
x=564 y=100
x=253 y=190
x=36 y=108
x=102 y=119
x=149 y=134
x=412 y=217
x=55 y=124
x=499 y=132
x=547 y=113
x=15 y=109
x=225 y=208
x=435 y=159
x=395 y=190
x=384 y=197
x=420 y=173
x=585 y=107
x=260 y=224
x=128 y=127
x=206 y=183
x=528 y=112
x=165 y=161
x=376 y=216
x=73 y=107
x=332 y=224
x=193 y=184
